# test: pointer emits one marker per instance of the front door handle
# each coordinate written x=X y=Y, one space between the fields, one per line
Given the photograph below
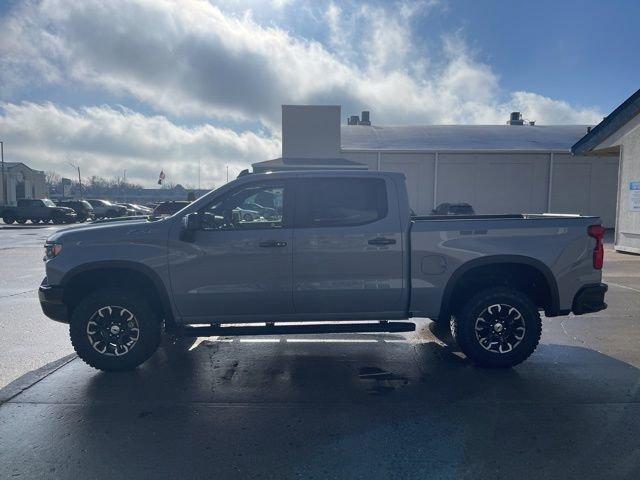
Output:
x=272 y=244
x=382 y=241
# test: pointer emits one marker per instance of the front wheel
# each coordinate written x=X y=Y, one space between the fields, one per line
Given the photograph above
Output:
x=498 y=327
x=114 y=330
x=8 y=219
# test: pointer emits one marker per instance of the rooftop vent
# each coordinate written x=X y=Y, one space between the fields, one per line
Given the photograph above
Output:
x=355 y=120
x=515 y=119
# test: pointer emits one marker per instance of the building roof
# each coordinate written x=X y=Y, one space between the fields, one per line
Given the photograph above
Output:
x=612 y=122
x=280 y=164
x=462 y=137
x=10 y=165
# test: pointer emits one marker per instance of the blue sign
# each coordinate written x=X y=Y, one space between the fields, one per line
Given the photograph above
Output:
x=634 y=186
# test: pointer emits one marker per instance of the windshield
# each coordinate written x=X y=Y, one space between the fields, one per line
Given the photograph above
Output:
x=48 y=203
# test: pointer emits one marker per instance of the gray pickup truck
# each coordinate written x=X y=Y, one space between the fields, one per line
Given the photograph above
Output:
x=335 y=246
x=37 y=210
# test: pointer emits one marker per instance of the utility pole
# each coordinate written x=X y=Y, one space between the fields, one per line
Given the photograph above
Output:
x=227 y=173
x=198 y=174
x=79 y=178
x=4 y=183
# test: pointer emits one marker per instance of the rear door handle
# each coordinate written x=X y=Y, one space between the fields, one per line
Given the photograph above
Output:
x=382 y=241
x=272 y=244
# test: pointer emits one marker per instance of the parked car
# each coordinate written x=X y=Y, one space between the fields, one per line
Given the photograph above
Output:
x=346 y=248
x=453 y=209
x=38 y=210
x=83 y=209
x=138 y=209
x=131 y=212
x=169 y=208
x=247 y=215
x=106 y=209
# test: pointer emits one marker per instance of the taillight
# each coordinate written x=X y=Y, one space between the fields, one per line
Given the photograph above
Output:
x=597 y=232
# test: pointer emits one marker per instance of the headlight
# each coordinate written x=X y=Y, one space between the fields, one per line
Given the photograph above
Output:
x=52 y=250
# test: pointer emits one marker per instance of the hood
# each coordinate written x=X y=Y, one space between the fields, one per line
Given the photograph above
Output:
x=113 y=228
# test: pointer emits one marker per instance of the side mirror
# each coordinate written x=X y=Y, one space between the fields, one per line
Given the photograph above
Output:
x=190 y=225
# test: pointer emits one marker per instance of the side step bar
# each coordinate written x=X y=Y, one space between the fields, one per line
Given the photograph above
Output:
x=218 y=330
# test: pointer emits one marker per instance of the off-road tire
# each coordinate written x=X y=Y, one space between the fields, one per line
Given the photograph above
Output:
x=464 y=323
x=148 y=323
x=8 y=219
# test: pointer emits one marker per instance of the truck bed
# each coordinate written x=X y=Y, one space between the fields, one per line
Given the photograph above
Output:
x=443 y=247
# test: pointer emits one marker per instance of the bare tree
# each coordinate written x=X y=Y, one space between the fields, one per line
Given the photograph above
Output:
x=52 y=178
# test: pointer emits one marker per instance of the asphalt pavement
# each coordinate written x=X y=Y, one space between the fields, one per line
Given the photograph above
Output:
x=332 y=406
x=28 y=339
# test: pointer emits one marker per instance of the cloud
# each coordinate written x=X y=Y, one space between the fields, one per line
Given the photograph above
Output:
x=105 y=141
x=191 y=58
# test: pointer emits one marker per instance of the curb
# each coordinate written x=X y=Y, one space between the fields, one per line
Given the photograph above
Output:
x=29 y=379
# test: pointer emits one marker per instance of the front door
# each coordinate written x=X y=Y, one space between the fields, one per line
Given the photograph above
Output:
x=348 y=251
x=239 y=263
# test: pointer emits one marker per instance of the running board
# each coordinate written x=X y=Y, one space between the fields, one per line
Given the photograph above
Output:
x=217 y=330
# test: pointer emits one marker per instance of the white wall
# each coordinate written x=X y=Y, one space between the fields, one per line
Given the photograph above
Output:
x=628 y=226
x=494 y=182
x=586 y=185
x=310 y=131
x=505 y=182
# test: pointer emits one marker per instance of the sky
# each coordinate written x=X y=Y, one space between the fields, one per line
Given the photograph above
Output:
x=150 y=85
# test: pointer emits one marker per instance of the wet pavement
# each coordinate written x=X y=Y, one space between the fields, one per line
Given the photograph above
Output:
x=345 y=406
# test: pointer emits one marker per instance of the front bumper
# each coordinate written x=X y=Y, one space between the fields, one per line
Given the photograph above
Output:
x=590 y=299
x=51 y=302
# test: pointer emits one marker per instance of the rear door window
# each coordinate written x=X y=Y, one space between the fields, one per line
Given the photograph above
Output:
x=340 y=202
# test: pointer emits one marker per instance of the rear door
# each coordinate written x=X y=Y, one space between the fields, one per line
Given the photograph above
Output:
x=347 y=255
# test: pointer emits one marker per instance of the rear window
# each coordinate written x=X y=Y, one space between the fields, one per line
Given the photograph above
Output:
x=340 y=202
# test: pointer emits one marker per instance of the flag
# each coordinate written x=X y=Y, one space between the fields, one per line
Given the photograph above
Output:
x=161 y=177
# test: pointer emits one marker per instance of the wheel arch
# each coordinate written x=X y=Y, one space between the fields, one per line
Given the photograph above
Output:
x=543 y=284
x=81 y=280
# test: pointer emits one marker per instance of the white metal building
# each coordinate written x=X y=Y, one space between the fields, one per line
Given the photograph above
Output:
x=619 y=134
x=508 y=168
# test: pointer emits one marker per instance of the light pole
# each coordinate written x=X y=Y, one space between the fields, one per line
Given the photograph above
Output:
x=79 y=178
x=4 y=183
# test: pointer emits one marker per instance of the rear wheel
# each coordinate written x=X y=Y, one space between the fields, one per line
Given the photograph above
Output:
x=21 y=221
x=8 y=219
x=498 y=327
x=114 y=330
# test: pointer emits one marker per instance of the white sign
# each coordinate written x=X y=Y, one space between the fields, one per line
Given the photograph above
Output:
x=634 y=196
